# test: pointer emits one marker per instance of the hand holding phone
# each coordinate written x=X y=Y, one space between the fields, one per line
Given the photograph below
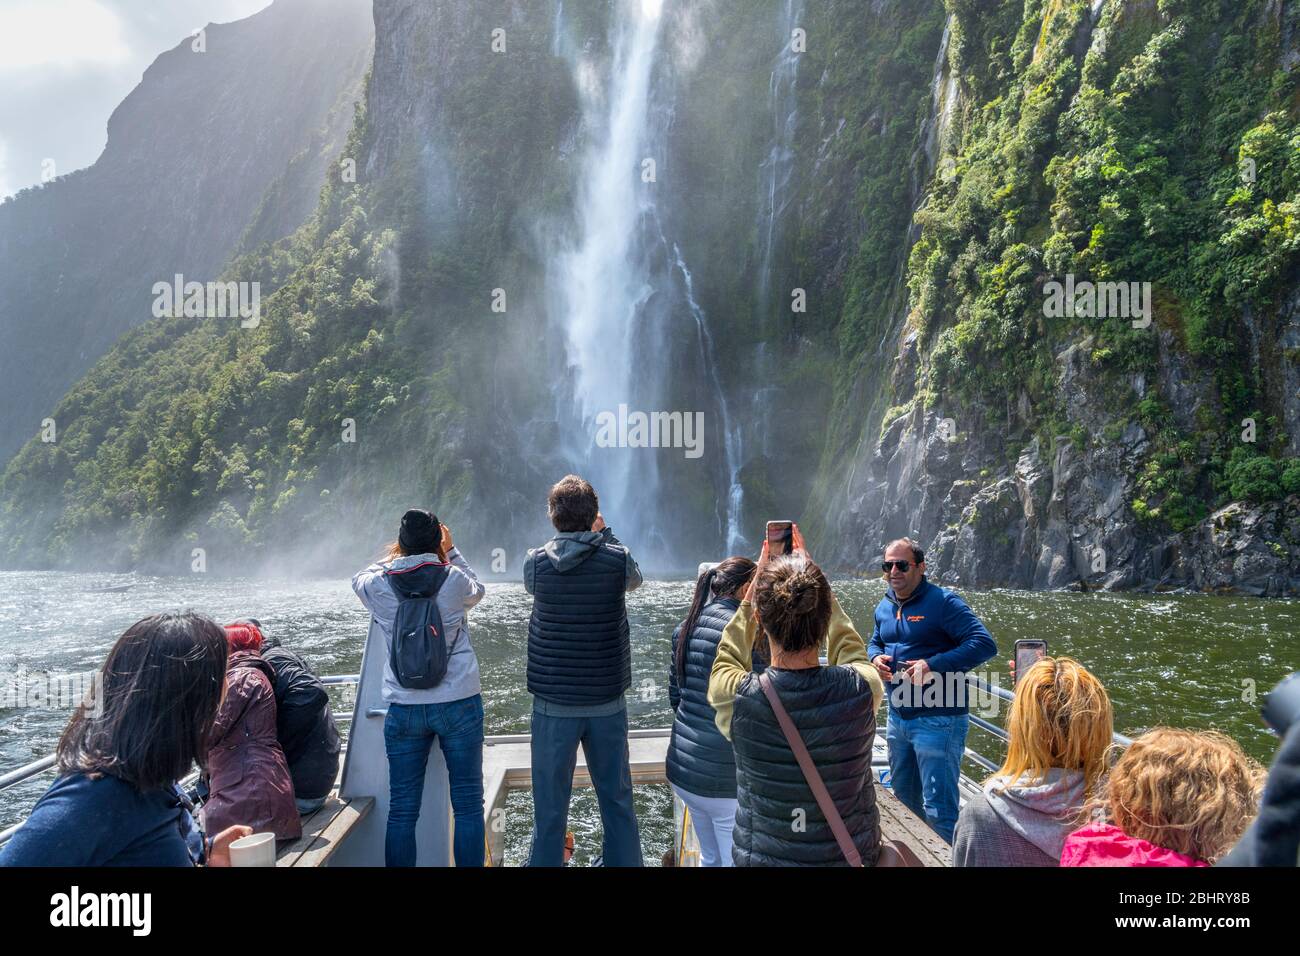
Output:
x=780 y=537
x=882 y=662
x=1028 y=653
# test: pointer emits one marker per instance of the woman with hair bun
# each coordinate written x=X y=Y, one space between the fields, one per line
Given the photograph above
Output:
x=779 y=818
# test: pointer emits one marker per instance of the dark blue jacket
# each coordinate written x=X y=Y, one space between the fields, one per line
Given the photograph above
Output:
x=935 y=625
x=579 y=653
x=104 y=822
x=700 y=760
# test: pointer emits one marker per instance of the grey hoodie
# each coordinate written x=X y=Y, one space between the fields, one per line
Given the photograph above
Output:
x=568 y=549
x=1021 y=825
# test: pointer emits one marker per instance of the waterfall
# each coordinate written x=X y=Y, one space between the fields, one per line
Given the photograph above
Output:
x=778 y=167
x=942 y=99
x=601 y=281
x=731 y=438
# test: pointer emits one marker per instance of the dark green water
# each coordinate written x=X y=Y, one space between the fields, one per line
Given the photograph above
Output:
x=1181 y=660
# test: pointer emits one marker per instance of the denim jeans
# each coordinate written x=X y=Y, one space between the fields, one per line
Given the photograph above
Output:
x=713 y=819
x=555 y=755
x=924 y=764
x=309 y=806
x=409 y=733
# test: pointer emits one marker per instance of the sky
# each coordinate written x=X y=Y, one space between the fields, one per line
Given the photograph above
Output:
x=65 y=65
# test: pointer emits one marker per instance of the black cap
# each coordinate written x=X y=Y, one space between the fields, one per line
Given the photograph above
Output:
x=421 y=533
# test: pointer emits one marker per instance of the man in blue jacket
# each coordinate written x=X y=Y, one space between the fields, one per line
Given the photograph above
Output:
x=926 y=640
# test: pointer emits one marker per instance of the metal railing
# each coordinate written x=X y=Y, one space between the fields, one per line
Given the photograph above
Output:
x=44 y=764
x=985 y=687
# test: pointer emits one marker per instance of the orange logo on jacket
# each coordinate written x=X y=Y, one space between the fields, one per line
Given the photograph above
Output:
x=916 y=617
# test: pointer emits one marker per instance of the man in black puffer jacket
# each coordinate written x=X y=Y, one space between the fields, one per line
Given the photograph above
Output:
x=305 y=725
x=579 y=668
x=778 y=820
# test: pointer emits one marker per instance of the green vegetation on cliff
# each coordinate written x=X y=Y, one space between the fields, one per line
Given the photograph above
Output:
x=1160 y=146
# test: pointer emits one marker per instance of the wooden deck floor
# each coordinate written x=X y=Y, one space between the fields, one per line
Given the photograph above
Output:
x=506 y=767
x=324 y=830
x=506 y=763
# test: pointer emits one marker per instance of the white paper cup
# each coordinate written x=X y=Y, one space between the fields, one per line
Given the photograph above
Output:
x=255 y=850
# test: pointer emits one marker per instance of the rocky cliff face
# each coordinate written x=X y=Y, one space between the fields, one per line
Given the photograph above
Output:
x=213 y=152
x=1048 y=480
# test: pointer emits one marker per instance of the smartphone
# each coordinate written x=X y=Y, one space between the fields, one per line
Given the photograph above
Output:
x=1027 y=654
x=780 y=537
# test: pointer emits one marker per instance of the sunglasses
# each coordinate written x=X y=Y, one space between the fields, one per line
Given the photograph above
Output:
x=903 y=566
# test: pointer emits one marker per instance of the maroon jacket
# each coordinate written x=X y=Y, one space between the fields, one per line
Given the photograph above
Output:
x=247 y=773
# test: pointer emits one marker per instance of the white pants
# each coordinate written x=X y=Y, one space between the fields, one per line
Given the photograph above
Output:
x=713 y=819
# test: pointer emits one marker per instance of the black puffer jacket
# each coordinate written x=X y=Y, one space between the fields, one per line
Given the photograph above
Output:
x=778 y=822
x=700 y=759
x=578 y=647
x=304 y=724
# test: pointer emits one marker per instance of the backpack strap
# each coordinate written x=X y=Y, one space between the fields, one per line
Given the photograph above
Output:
x=810 y=774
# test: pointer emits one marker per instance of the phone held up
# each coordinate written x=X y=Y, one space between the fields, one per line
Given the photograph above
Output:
x=1028 y=652
x=780 y=537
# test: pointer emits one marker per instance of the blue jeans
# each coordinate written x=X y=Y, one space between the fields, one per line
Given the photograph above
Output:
x=409 y=732
x=924 y=764
x=555 y=755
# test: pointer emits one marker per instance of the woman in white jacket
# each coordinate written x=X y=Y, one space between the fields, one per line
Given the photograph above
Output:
x=451 y=712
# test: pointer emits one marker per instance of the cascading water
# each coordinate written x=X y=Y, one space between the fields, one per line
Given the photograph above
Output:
x=777 y=169
x=943 y=97
x=731 y=437
x=602 y=282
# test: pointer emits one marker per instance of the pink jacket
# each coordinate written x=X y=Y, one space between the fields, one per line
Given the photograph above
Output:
x=1100 y=844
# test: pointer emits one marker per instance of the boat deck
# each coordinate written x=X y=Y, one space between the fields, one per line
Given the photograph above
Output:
x=507 y=766
x=324 y=830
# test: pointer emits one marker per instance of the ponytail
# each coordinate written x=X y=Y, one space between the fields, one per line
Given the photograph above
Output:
x=724 y=578
x=703 y=588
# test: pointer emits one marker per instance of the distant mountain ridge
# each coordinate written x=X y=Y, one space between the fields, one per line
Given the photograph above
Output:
x=213 y=152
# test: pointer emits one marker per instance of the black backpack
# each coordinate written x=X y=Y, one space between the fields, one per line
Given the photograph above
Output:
x=418 y=650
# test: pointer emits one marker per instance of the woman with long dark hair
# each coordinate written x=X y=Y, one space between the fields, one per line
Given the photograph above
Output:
x=115 y=802
x=700 y=764
x=423 y=561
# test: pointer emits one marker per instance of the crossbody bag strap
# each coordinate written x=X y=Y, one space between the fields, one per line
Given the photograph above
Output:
x=810 y=773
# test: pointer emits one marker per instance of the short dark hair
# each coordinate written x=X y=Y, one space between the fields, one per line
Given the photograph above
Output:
x=793 y=599
x=917 y=554
x=162 y=685
x=573 y=504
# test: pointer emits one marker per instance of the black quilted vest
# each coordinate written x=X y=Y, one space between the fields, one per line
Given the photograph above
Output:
x=578 y=647
x=700 y=760
x=778 y=822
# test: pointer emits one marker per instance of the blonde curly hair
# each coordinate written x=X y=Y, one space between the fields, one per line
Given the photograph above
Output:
x=1194 y=792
